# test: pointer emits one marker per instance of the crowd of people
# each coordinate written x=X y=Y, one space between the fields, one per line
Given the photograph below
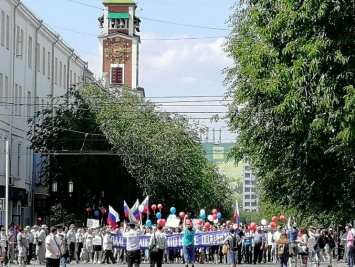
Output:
x=287 y=246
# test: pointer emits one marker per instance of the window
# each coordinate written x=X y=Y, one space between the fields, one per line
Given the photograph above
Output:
x=74 y=77
x=252 y=190
x=18 y=32
x=252 y=182
x=1 y=86
x=253 y=196
x=7 y=31
x=246 y=182
x=247 y=204
x=247 y=168
x=49 y=65
x=60 y=73
x=247 y=174
x=21 y=44
x=247 y=196
x=6 y=95
x=38 y=57
x=29 y=114
x=247 y=189
x=44 y=61
x=3 y=27
x=19 y=100
x=65 y=77
x=30 y=52
x=117 y=75
x=19 y=160
x=56 y=70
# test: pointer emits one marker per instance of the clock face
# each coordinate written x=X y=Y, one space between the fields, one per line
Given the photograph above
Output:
x=117 y=50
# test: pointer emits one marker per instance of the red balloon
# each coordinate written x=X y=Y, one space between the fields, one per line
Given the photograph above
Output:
x=200 y=222
x=215 y=217
x=182 y=215
x=274 y=219
x=154 y=207
x=282 y=218
x=253 y=226
x=272 y=224
x=103 y=211
x=228 y=223
x=249 y=228
x=89 y=210
x=214 y=211
x=39 y=219
x=161 y=222
x=207 y=225
x=160 y=206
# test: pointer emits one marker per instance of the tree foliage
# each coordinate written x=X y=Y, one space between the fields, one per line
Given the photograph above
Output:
x=294 y=76
x=117 y=147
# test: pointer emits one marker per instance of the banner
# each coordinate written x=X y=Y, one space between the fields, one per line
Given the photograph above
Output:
x=202 y=239
x=92 y=223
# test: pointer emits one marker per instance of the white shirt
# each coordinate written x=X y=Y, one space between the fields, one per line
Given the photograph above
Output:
x=132 y=237
x=159 y=239
x=79 y=238
x=71 y=236
x=3 y=240
x=50 y=240
x=107 y=244
x=277 y=236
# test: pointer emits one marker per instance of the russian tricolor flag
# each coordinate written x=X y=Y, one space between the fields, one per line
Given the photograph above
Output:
x=236 y=213
x=135 y=209
x=125 y=209
x=112 y=217
x=145 y=203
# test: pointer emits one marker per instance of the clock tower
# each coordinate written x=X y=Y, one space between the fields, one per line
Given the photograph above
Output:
x=119 y=42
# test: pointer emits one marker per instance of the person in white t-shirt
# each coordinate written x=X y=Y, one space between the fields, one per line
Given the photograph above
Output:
x=276 y=238
x=53 y=251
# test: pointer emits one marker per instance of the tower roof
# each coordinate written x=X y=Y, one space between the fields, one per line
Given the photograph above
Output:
x=118 y=2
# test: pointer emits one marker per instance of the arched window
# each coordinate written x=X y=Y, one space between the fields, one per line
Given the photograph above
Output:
x=19 y=151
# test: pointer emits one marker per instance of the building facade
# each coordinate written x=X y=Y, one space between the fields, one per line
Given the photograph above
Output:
x=35 y=63
x=250 y=196
x=119 y=44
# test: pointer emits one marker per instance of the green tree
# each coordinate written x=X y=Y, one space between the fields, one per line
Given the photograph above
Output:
x=294 y=76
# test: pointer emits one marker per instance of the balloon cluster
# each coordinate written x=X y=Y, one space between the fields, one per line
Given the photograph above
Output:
x=211 y=217
x=264 y=222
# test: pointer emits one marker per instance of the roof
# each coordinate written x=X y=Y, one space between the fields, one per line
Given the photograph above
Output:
x=118 y=2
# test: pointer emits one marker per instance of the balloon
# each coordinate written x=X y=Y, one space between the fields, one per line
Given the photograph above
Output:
x=207 y=225
x=203 y=216
x=161 y=222
x=272 y=224
x=103 y=211
x=160 y=206
x=182 y=215
x=173 y=210
x=214 y=216
x=263 y=222
x=158 y=215
x=39 y=220
x=141 y=208
x=96 y=213
x=89 y=210
x=228 y=223
x=282 y=218
x=274 y=219
x=200 y=222
x=172 y=216
x=253 y=226
x=148 y=223
x=219 y=215
x=215 y=221
x=202 y=211
x=214 y=211
x=210 y=218
x=154 y=207
x=235 y=226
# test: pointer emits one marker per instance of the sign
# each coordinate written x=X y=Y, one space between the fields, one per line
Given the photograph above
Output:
x=172 y=222
x=96 y=241
x=92 y=223
x=202 y=239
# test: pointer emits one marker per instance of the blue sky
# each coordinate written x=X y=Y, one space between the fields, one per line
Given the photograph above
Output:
x=168 y=68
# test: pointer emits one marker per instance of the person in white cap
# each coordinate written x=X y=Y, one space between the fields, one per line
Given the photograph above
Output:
x=132 y=245
x=41 y=249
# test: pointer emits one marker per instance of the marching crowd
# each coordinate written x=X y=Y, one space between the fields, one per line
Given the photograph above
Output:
x=283 y=245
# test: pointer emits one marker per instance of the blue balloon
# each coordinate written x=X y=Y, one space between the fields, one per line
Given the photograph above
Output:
x=96 y=213
x=219 y=215
x=173 y=210
x=203 y=216
x=148 y=223
x=158 y=215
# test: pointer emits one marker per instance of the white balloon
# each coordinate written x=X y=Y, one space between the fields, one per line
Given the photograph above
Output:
x=202 y=211
x=210 y=218
x=141 y=208
x=263 y=222
x=235 y=226
x=215 y=221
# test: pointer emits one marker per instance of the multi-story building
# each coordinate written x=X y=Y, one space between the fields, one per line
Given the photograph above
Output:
x=35 y=63
x=250 y=197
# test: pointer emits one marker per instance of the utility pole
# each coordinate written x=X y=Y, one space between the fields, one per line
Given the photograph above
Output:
x=7 y=181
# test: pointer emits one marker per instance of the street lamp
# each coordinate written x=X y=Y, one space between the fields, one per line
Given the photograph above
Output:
x=55 y=190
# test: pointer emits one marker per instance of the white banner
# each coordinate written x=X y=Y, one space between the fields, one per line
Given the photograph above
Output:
x=92 y=223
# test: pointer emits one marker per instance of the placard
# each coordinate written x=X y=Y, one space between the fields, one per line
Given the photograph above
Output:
x=92 y=223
